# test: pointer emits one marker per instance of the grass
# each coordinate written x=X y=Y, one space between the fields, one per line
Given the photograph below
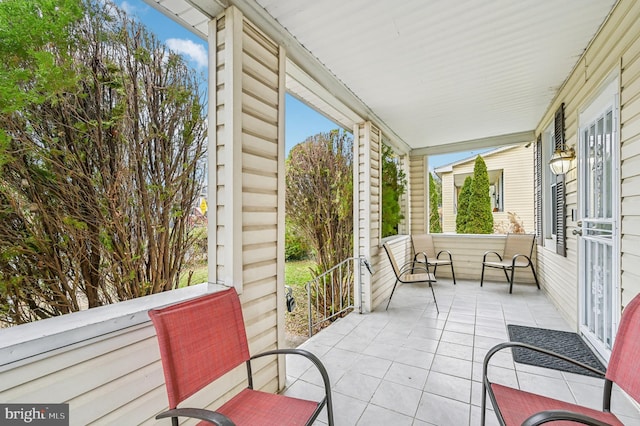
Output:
x=200 y=275
x=297 y=273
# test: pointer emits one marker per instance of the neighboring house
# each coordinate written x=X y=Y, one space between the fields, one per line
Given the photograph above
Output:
x=510 y=186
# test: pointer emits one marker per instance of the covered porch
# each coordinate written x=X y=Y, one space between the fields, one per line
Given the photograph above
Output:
x=488 y=85
x=411 y=366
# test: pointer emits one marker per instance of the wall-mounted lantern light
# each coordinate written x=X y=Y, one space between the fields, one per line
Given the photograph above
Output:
x=561 y=161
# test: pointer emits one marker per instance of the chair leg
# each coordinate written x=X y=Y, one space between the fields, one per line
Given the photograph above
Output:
x=534 y=275
x=505 y=273
x=483 y=404
x=434 y=298
x=453 y=274
x=482 y=276
x=392 y=290
x=513 y=271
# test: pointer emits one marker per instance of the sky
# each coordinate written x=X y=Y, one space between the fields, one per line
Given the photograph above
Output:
x=300 y=120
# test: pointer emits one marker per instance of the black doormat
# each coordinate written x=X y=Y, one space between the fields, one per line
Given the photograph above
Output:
x=563 y=342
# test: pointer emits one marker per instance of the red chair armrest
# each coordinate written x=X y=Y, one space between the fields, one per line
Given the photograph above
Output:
x=555 y=415
x=316 y=361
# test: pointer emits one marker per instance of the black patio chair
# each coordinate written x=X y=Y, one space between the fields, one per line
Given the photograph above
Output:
x=412 y=272
x=518 y=249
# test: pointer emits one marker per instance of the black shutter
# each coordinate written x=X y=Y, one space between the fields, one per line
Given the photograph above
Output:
x=560 y=202
x=538 y=170
x=559 y=128
x=561 y=217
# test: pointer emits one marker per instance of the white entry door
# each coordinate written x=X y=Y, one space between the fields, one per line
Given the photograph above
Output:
x=599 y=240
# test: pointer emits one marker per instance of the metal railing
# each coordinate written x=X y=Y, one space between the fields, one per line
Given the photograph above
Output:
x=335 y=292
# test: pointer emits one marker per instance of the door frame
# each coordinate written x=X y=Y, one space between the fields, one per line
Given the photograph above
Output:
x=607 y=96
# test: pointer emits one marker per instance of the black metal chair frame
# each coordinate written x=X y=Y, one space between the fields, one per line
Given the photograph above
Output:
x=543 y=416
x=407 y=274
x=505 y=265
x=432 y=262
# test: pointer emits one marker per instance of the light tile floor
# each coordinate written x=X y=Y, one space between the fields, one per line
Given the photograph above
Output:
x=412 y=366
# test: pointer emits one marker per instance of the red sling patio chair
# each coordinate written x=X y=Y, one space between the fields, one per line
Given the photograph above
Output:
x=202 y=339
x=515 y=407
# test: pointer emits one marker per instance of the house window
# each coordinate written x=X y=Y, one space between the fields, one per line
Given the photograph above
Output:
x=549 y=186
x=496 y=190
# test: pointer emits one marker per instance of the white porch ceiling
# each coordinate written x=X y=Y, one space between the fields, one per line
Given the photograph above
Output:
x=433 y=73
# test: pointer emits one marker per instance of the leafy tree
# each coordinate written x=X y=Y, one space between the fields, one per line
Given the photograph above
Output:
x=434 y=203
x=295 y=246
x=393 y=187
x=32 y=68
x=463 y=206
x=103 y=142
x=479 y=216
x=319 y=206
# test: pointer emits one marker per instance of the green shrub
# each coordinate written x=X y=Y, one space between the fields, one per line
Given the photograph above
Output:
x=295 y=248
x=434 y=203
x=463 y=204
x=479 y=215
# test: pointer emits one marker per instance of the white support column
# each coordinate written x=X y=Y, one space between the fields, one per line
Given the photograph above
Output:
x=212 y=139
x=280 y=290
x=367 y=199
x=232 y=271
x=418 y=190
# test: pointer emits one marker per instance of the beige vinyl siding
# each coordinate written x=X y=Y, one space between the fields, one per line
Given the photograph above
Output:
x=615 y=49
x=249 y=178
x=404 y=225
x=262 y=198
x=449 y=201
x=218 y=179
x=116 y=370
x=516 y=164
x=418 y=180
x=630 y=169
x=467 y=251
x=105 y=363
x=367 y=140
x=384 y=277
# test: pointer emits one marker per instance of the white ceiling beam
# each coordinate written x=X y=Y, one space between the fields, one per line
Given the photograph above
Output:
x=475 y=144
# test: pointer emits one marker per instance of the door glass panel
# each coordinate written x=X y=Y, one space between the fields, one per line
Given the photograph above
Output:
x=598 y=231
x=608 y=166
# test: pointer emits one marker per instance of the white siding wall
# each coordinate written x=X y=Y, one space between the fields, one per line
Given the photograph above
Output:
x=103 y=362
x=262 y=201
x=418 y=180
x=630 y=155
x=247 y=245
x=466 y=251
x=367 y=193
x=449 y=201
x=384 y=277
x=517 y=166
x=616 y=49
